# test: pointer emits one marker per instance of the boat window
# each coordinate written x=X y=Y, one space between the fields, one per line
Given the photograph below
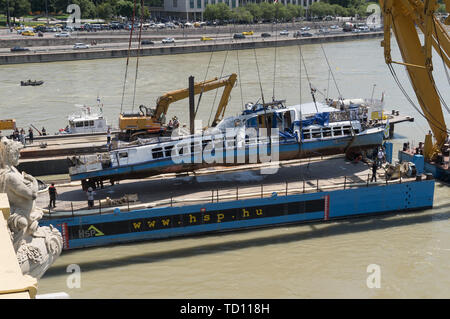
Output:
x=157 y=152
x=86 y=123
x=337 y=131
x=78 y=124
x=287 y=120
x=346 y=130
x=307 y=134
x=91 y=123
x=181 y=149
x=316 y=134
x=326 y=132
x=123 y=154
x=168 y=150
x=356 y=131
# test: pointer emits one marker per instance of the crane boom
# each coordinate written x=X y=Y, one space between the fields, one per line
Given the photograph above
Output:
x=151 y=121
x=403 y=16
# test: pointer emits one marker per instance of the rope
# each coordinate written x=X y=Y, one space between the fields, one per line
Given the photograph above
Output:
x=128 y=56
x=275 y=63
x=300 y=75
x=329 y=68
x=137 y=54
x=240 y=82
x=215 y=96
x=307 y=77
x=432 y=119
x=207 y=69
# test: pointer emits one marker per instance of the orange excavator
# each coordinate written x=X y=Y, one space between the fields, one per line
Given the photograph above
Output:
x=405 y=18
x=151 y=122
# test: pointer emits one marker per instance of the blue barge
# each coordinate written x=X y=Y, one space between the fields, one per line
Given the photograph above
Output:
x=166 y=222
x=438 y=171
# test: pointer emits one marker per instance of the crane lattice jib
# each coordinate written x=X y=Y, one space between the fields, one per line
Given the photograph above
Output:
x=402 y=16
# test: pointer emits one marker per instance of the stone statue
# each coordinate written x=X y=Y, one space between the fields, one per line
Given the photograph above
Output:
x=36 y=247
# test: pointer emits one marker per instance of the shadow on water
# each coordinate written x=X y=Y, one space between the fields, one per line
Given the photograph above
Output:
x=335 y=228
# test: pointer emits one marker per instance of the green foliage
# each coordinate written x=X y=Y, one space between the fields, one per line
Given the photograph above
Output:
x=218 y=11
x=240 y=14
x=105 y=11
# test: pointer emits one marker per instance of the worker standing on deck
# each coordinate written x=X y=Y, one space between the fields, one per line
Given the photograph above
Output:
x=44 y=132
x=90 y=196
x=380 y=157
x=30 y=135
x=108 y=138
x=52 y=193
x=374 y=171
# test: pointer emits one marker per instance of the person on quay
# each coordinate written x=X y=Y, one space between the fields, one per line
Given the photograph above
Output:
x=52 y=193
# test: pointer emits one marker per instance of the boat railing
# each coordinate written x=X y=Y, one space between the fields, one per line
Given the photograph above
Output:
x=216 y=195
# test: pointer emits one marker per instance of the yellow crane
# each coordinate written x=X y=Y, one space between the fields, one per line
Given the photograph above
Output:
x=9 y=124
x=402 y=16
x=152 y=120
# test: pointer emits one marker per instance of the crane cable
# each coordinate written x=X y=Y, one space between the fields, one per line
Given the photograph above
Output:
x=445 y=69
x=309 y=81
x=275 y=63
x=206 y=74
x=215 y=96
x=332 y=74
x=430 y=119
x=240 y=82
x=128 y=56
x=137 y=54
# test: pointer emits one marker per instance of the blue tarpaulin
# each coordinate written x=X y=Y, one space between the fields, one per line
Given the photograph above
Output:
x=319 y=119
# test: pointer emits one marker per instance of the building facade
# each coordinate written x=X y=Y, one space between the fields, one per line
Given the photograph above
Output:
x=193 y=9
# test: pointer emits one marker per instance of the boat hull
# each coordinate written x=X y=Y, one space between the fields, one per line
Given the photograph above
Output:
x=287 y=150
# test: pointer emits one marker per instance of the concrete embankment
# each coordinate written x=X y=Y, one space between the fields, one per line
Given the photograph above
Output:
x=176 y=48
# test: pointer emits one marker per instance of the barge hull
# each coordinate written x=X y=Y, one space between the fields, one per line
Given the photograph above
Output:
x=169 y=222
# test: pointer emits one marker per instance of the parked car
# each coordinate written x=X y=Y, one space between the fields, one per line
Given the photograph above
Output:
x=146 y=42
x=19 y=49
x=62 y=35
x=265 y=35
x=28 y=33
x=305 y=28
x=168 y=40
x=324 y=31
x=306 y=34
x=238 y=36
x=81 y=46
x=205 y=39
x=247 y=33
x=284 y=32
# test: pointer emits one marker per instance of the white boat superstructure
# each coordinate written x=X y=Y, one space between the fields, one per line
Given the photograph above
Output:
x=87 y=121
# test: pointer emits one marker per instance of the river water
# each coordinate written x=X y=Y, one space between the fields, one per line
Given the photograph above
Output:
x=304 y=261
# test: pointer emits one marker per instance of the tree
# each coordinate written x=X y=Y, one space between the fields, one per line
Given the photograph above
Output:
x=125 y=8
x=19 y=8
x=242 y=15
x=87 y=8
x=255 y=10
x=105 y=11
x=268 y=10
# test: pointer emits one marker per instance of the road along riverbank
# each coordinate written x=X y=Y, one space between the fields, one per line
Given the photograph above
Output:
x=177 y=48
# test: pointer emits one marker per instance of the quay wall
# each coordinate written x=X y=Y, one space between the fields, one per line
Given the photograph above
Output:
x=176 y=48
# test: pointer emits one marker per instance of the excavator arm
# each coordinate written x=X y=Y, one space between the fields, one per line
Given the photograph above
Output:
x=402 y=16
x=163 y=102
